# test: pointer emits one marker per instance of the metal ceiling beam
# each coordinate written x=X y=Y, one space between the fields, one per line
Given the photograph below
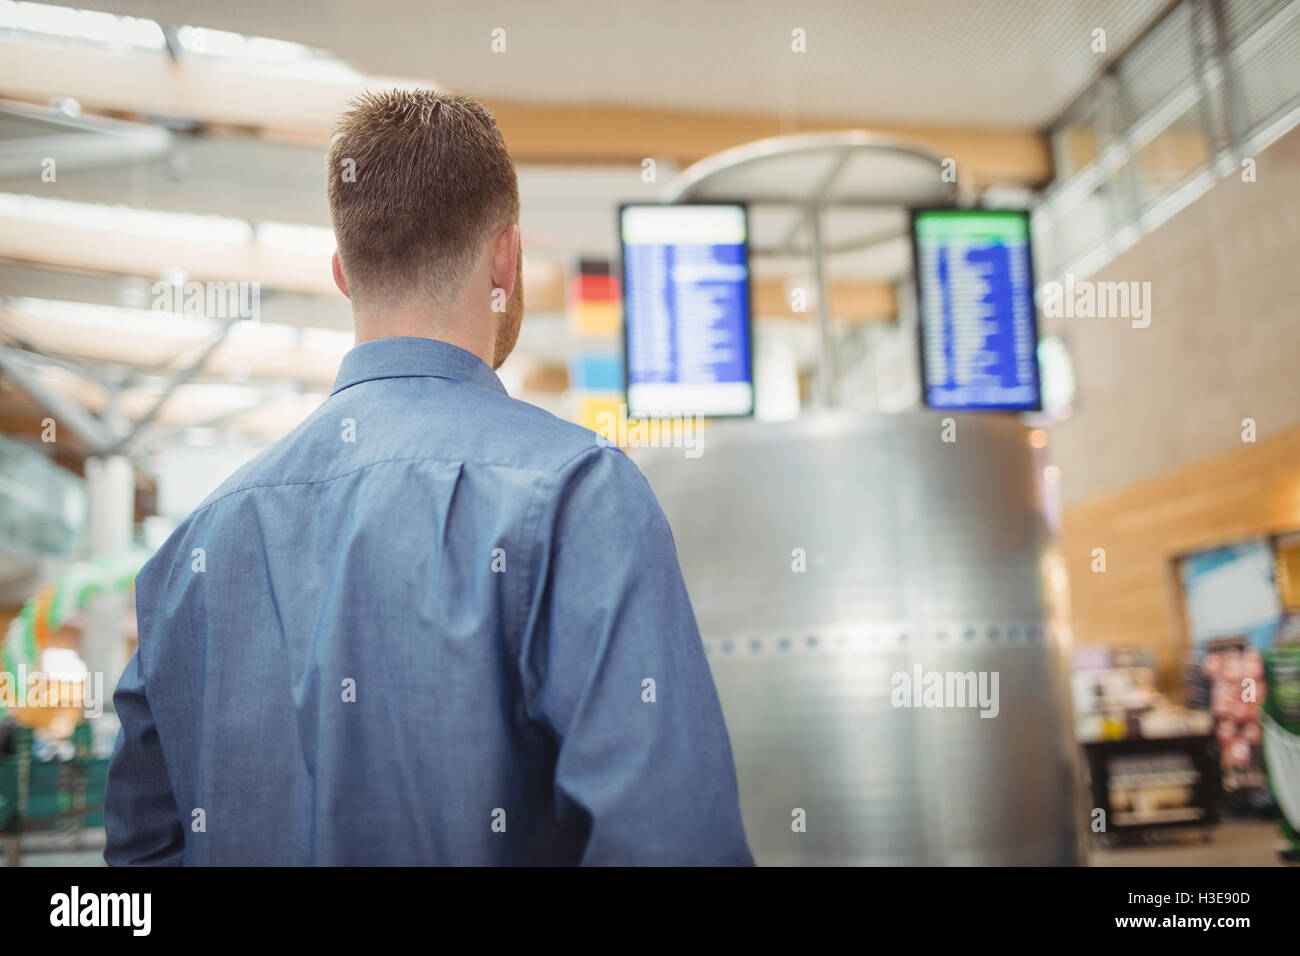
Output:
x=76 y=142
x=107 y=434
x=181 y=378
x=95 y=433
x=175 y=49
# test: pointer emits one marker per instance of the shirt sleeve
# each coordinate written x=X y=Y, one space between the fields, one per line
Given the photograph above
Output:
x=644 y=770
x=142 y=824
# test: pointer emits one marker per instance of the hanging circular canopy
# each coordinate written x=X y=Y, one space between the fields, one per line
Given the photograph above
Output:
x=861 y=183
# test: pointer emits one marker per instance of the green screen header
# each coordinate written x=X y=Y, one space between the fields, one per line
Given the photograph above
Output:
x=981 y=225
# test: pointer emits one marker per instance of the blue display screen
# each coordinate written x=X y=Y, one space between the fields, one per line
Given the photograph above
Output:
x=975 y=283
x=686 y=310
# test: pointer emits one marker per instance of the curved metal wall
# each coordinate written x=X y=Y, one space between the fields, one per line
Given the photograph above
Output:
x=918 y=552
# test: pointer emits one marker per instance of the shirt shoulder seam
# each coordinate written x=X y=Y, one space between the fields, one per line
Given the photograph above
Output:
x=371 y=464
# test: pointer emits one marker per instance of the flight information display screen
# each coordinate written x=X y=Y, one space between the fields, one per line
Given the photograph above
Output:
x=975 y=285
x=686 y=310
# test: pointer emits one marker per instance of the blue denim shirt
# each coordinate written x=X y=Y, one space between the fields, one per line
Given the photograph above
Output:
x=432 y=625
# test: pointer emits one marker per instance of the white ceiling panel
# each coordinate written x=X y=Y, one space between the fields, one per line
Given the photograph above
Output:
x=968 y=62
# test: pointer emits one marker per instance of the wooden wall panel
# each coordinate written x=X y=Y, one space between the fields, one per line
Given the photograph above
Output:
x=1145 y=527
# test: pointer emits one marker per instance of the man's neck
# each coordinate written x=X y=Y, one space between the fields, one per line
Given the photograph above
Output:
x=422 y=326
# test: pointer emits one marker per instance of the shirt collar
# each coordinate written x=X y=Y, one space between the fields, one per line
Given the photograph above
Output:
x=407 y=357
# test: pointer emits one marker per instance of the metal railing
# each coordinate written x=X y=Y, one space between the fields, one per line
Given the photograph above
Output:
x=1195 y=99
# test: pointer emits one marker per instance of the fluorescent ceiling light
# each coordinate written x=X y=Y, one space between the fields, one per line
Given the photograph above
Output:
x=125 y=220
x=327 y=340
x=114 y=317
x=137 y=33
x=263 y=335
x=262 y=53
x=163 y=325
x=308 y=240
x=220 y=395
x=89 y=26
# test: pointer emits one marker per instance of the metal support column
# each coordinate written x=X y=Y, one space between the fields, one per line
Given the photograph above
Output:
x=110 y=487
x=826 y=376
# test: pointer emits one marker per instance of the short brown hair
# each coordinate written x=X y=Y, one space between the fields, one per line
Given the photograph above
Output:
x=430 y=180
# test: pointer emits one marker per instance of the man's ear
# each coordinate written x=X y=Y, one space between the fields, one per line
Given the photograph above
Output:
x=505 y=259
x=339 y=280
